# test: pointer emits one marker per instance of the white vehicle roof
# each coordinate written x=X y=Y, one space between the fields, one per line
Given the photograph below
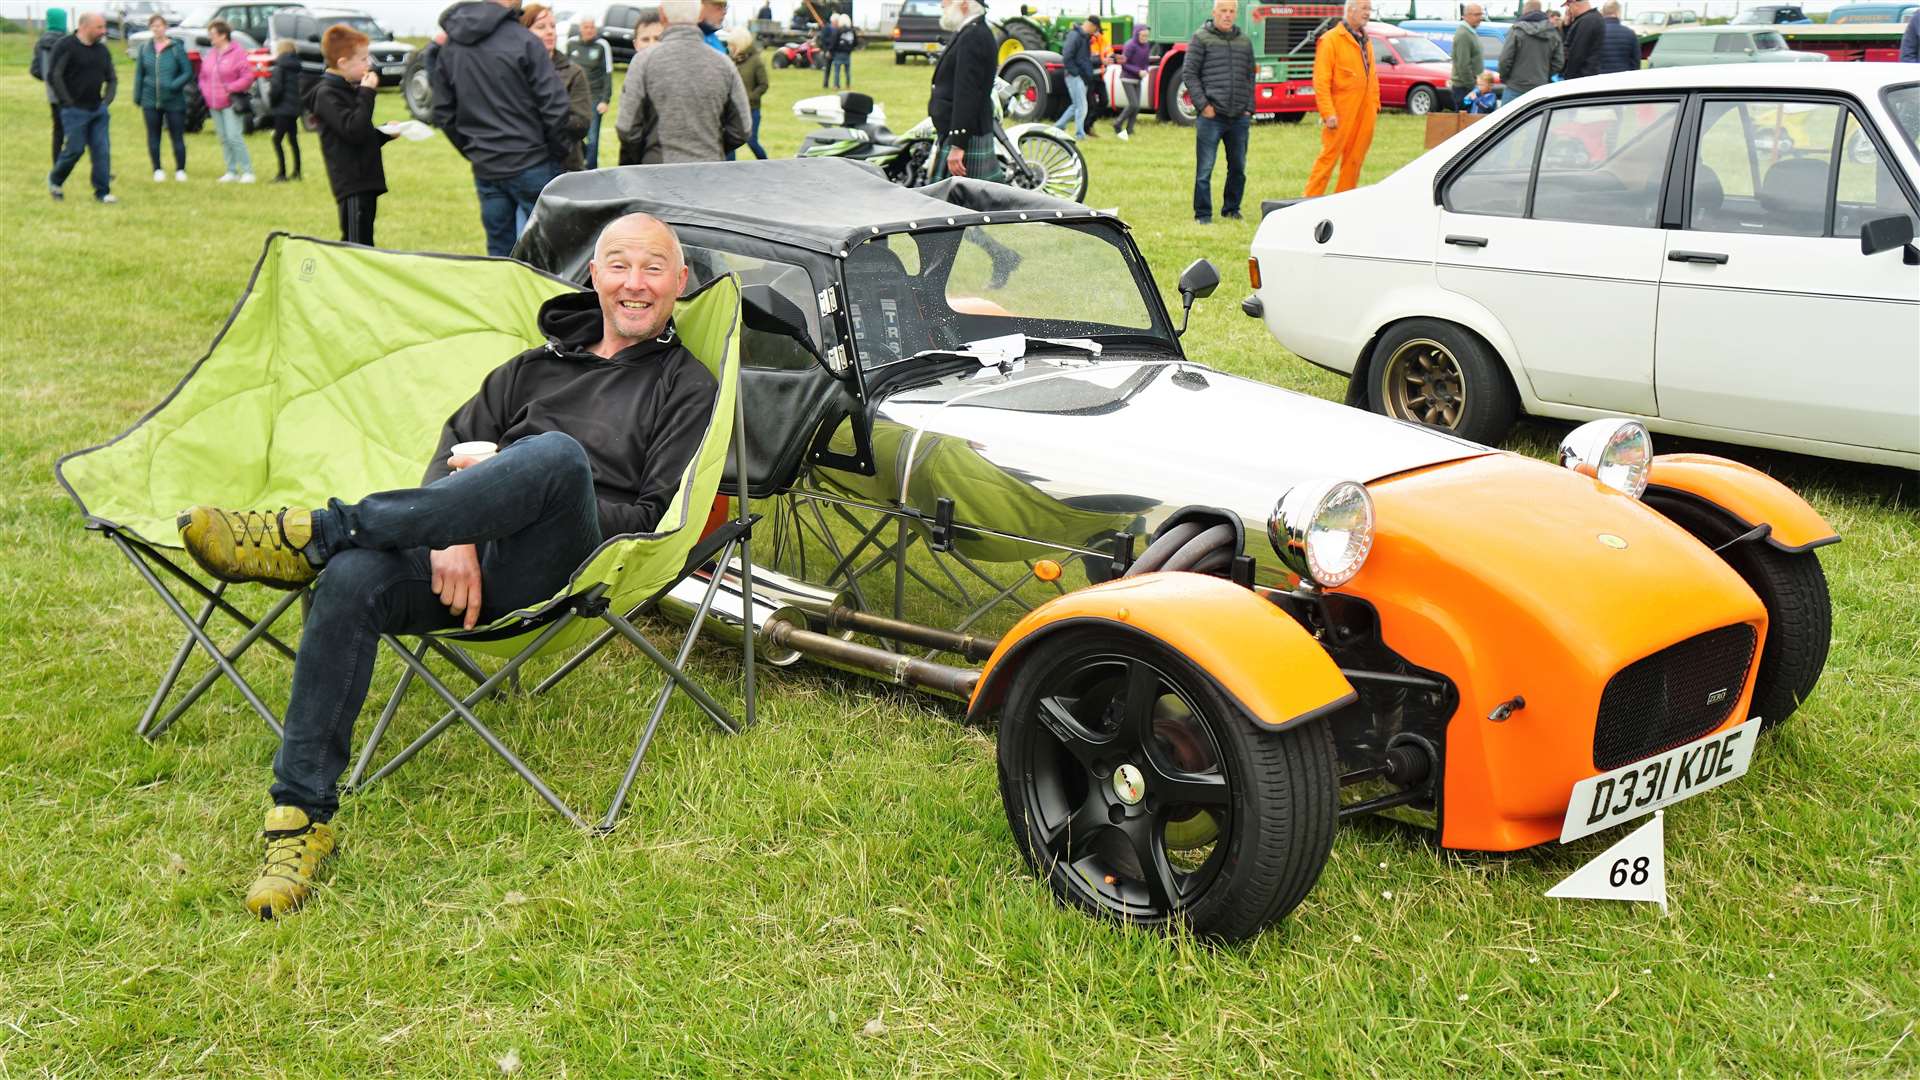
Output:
x=1862 y=79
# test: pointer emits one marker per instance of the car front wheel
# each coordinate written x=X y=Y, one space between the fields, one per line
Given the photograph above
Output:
x=1140 y=793
x=1435 y=373
x=1793 y=588
x=1420 y=100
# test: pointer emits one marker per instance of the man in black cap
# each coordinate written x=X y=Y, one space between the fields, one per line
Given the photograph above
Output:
x=962 y=102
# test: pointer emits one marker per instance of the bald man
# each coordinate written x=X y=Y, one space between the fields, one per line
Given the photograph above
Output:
x=1346 y=88
x=1469 y=55
x=594 y=428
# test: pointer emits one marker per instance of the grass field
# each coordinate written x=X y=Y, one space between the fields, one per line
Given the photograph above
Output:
x=837 y=891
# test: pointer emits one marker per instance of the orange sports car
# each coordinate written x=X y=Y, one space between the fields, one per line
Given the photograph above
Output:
x=1208 y=617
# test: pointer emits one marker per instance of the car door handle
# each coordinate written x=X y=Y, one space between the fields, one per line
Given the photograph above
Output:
x=1713 y=257
x=1467 y=241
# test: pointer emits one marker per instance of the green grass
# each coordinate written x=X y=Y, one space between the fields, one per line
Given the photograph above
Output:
x=772 y=896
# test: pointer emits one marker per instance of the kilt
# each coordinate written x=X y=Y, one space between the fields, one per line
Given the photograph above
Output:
x=981 y=162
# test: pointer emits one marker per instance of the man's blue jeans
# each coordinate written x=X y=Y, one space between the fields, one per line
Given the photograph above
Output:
x=531 y=511
x=86 y=134
x=593 y=141
x=1077 y=111
x=1209 y=133
x=506 y=203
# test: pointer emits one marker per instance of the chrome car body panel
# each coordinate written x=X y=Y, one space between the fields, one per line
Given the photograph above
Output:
x=1067 y=454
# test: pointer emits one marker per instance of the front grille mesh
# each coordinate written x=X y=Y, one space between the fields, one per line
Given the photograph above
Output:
x=1672 y=697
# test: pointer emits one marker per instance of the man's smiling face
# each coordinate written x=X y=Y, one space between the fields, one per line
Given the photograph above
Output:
x=638 y=272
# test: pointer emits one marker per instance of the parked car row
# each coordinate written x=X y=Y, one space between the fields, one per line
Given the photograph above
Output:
x=1724 y=253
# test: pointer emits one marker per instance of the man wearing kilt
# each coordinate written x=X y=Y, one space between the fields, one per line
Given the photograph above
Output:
x=962 y=102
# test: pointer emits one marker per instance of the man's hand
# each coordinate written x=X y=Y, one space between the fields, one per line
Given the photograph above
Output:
x=370 y=81
x=600 y=108
x=957 y=162
x=1330 y=121
x=456 y=580
x=456 y=462
x=1207 y=112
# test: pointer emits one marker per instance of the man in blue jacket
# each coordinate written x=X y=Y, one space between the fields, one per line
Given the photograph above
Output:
x=1619 y=45
x=500 y=101
x=1910 y=41
x=1081 y=71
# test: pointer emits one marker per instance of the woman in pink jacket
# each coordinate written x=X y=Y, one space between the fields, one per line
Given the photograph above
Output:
x=225 y=75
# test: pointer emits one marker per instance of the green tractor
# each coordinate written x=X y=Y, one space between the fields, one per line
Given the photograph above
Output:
x=1030 y=30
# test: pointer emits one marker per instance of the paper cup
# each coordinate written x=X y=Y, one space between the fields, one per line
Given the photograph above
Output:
x=480 y=449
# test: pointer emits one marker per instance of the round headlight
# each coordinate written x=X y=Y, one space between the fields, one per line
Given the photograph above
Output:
x=1618 y=453
x=1322 y=530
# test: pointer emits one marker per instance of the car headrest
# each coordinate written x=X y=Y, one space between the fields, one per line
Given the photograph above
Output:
x=855 y=107
x=880 y=299
x=1796 y=186
x=1708 y=193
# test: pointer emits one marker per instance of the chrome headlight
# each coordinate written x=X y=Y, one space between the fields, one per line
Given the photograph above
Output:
x=1618 y=453
x=1322 y=530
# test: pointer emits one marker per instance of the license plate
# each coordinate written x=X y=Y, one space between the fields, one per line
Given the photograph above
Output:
x=1635 y=790
x=395 y=69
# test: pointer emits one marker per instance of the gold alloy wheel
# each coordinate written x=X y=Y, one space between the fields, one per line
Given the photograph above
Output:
x=1423 y=383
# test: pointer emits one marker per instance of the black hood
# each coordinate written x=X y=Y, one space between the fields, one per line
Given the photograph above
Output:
x=572 y=321
x=472 y=23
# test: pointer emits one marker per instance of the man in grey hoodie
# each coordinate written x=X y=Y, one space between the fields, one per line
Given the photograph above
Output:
x=500 y=101
x=1532 y=54
x=682 y=101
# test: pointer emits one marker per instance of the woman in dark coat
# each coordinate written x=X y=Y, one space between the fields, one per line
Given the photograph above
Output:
x=283 y=101
x=539 y=19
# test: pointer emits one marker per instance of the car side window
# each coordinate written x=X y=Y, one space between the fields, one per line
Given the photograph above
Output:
x=1606 y=164
x=1763 y=167
x=1867 y=190
x=1730 y=43
x=760 y=349
x=1497 y=181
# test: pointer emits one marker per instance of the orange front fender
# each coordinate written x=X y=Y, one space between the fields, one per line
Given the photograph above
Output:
x=1746 y=494
x=1264 y=660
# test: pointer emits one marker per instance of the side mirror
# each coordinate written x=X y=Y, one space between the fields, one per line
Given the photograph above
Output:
x=1197 y=282
x=1888 y=233
x=1389 y=59
x=769 y=311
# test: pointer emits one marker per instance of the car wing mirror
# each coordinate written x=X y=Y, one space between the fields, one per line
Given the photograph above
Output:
x=765 y=309
x=1197 y=282
x=1888 y=233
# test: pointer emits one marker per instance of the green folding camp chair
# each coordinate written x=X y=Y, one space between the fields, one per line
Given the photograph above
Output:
x=626 y=576
x=332 y=376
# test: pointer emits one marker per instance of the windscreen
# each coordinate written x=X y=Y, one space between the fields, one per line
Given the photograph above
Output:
x=1418 y=50
x=915 y=292
x=1904 y=103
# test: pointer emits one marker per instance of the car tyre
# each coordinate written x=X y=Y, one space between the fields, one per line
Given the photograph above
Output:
x=1420 y=100
x=1073 y=725
x=1176 y=105
x=1792 y=586
x=1436 y=373
x=416 y=87
x=1032 y=90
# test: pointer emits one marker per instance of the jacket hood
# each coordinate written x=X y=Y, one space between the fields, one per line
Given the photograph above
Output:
x=472 y=23
x=571 y=319
x=1533 y=25
x=56 y=21
x=572 y=324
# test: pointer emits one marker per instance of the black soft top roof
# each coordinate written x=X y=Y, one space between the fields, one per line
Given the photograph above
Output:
x=821 y=204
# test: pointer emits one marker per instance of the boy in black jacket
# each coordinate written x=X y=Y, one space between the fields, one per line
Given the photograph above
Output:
x=342 y=102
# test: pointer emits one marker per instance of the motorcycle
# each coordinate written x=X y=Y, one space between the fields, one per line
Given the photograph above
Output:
x=805 y=54
x=1038 y=157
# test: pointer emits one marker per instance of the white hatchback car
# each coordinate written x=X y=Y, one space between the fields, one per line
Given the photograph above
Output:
x=1720 y=252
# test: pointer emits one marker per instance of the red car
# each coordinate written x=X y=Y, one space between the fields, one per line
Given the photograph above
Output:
x=1414 y=72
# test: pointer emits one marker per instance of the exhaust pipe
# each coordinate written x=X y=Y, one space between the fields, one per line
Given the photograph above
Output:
x=777 y=599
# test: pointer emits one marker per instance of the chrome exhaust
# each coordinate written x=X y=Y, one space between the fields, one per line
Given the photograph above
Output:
x=777 y=599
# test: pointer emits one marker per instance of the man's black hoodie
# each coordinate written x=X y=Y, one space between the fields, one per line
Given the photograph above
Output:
x=496 y=94
x=640 y=415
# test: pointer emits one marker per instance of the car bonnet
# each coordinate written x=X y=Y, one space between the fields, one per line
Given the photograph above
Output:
x=1120 y=445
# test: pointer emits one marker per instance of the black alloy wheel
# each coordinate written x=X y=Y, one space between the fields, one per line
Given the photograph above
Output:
x=1141 y=793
